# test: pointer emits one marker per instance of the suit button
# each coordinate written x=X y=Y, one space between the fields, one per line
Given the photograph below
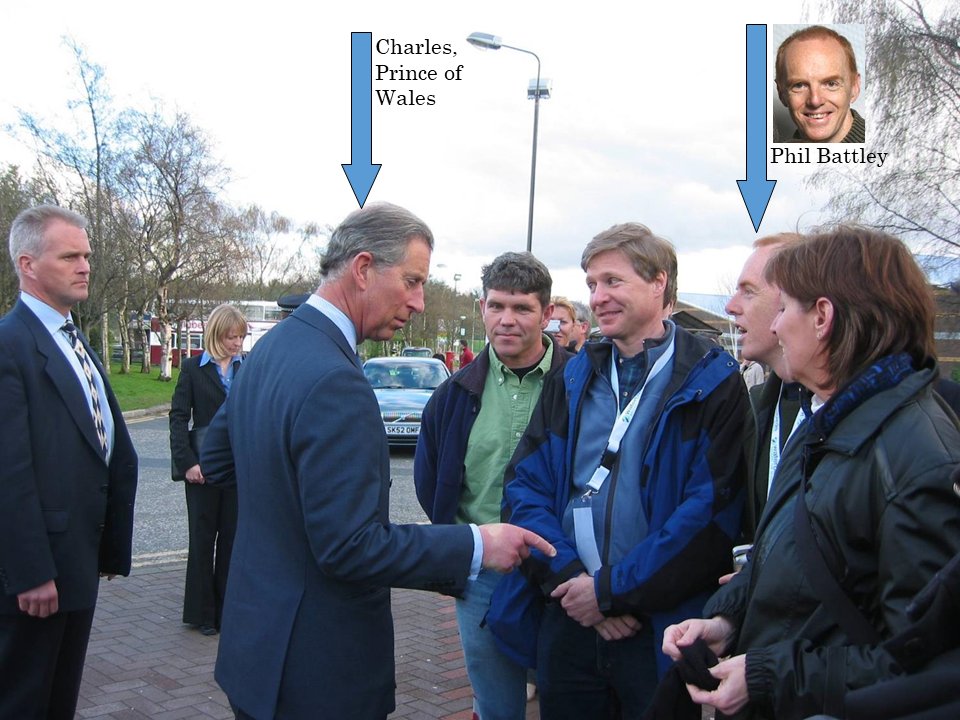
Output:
x=100 y=527
x=104 y=489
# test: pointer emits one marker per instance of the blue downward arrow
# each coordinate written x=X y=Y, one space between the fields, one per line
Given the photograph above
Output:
x=361 y=172
x=756 y=189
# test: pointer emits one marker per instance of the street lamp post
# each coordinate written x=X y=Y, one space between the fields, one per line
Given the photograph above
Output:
x=456 y=298
x=486 y=41
x=473 y=322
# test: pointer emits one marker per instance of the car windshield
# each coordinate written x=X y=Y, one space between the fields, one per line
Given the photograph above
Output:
x=410 y=376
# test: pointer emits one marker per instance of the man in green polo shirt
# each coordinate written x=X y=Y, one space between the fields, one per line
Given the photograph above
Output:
x=468 y=433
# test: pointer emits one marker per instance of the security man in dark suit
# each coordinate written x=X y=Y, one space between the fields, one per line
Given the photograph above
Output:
x=68 y=472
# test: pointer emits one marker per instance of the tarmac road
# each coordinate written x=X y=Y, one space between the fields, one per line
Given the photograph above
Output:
x=160 y=524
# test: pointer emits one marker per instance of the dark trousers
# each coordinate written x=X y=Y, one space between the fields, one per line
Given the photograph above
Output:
x=582 y=676
x=41 y=664
x=212 y=521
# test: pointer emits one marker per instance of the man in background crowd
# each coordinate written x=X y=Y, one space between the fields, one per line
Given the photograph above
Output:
x=752 y=373
x=466 y=354
x=585 y=319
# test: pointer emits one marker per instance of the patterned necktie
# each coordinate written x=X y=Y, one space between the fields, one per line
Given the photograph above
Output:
x=71 y=331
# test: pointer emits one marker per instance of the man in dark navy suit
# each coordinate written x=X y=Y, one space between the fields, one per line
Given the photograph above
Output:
x=307 y=630
x=68 y=472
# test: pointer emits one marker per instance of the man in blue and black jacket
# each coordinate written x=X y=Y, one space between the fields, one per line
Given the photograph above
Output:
x=633 y=466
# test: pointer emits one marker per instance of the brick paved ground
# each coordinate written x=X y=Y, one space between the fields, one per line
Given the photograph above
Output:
x=144 y=663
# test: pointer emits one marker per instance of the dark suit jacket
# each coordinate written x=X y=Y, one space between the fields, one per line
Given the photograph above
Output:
x=198 y=395
x=764 y=398
x=307 y=629
x=64 y=513
x=950 y=392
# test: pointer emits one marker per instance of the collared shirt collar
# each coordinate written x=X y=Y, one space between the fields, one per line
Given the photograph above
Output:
x=52 y=320
x=669 y=327
x=208 y=358
x=544 y=365
x=337 y=317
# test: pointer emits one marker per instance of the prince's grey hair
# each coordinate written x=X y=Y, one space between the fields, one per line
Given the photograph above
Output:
x=381 y=229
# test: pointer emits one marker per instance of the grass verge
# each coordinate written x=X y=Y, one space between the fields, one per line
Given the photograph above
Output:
x=138 y=390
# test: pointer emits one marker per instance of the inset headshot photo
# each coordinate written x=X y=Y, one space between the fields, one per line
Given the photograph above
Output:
x=818 y=84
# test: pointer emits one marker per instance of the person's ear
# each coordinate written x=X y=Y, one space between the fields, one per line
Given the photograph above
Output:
x=782 y=94
x=855 y=89
x=660 y=282
x=360 y=267
x=547 y=316
x=823 y=317
x=25 y=265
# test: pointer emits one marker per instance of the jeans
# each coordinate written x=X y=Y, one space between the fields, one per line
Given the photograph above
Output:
x=499 y=684
x=582 y=676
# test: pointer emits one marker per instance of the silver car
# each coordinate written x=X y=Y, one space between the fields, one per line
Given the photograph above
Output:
x=402 y=386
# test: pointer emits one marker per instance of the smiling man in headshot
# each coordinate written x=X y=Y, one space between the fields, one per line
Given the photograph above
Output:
x=817 y=81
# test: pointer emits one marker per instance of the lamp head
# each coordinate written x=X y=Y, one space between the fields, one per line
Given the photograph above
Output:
x=484 y=41
x=540 y=90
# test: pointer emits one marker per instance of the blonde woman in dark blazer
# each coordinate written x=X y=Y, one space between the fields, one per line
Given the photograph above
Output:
x=211 y=511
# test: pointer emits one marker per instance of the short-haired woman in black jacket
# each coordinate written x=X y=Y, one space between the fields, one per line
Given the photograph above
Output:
x=872 y=467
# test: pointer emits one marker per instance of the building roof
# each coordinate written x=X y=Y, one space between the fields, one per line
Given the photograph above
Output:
x=689 y=321
x=705 y=317
x=714 y=304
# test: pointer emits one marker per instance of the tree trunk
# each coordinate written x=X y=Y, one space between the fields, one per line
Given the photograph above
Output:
x=105 y=340
x=123 y=331
x=166 y=334
x=144 y=331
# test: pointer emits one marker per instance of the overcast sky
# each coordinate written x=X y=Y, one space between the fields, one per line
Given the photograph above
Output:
x=646 y=121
